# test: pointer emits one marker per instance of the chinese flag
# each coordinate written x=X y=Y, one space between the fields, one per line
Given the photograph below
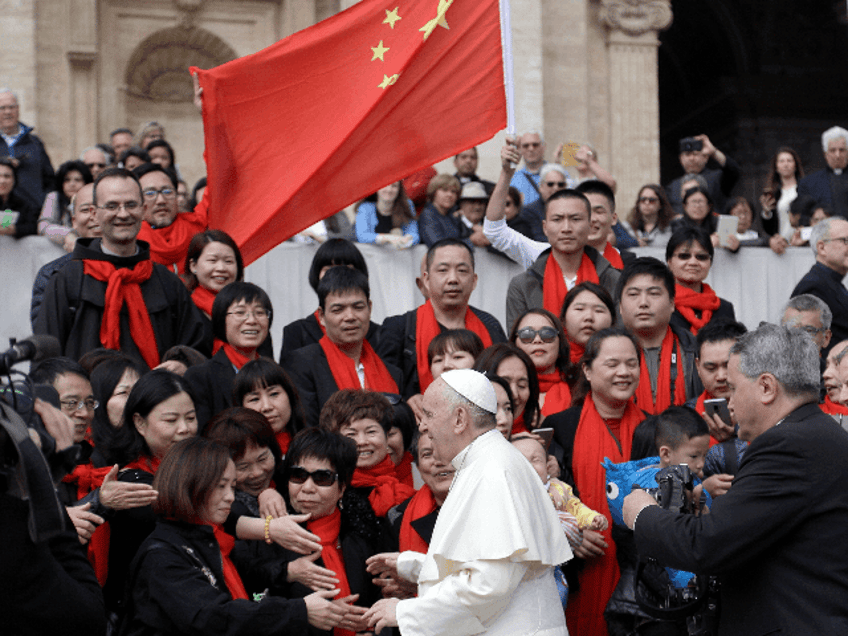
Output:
x=297 y=131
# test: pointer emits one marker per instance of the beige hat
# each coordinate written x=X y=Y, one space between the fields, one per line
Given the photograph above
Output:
x=473 y=386
x=473 y=190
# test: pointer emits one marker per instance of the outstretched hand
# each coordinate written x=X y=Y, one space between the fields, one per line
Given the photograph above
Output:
x=382 y=614
x=286 y=532
x=304 y=570
x=123 y=495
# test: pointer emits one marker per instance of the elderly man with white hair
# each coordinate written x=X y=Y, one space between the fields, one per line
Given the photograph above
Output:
x=528 y=178
x=489 y=567
x=829 y=186
x=35 y=177
x=829 y=240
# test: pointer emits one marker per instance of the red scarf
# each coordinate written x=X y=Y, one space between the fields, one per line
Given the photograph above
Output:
x=318 y=320
x=236 y=357
x=87 y=478
x=204 y=298
x=556 y=392
x=592 y=443
x=576 y=351
x=421 y=505
x=327 y=528
x=377 y=376
x=553 y=287
x=231 y=576
x=146 y=463
x=832 y=408
x=518 y=426
x=387 y=489
x=687 y=301
x=169 y=245
x=613 y=256
x=122 y=288
x=644 y=397
x=284 y=440
x=427 y=328
x=404 y=470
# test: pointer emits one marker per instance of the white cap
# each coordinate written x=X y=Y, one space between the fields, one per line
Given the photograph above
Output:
x=473 y=386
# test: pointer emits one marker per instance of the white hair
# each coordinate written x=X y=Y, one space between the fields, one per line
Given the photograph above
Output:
x=790 y=355
x=833 y=133
x=552 y=167
x=11 y=92
x=533 y=132
x=106 y=157
x=821 y=231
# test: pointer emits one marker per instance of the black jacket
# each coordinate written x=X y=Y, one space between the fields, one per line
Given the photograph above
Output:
x=826 y=284
x=212 y=386
x=307 y=331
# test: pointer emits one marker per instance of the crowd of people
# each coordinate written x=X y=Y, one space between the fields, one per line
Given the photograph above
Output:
x=222 y=483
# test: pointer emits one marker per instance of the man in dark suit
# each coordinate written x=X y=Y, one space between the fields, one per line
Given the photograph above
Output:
x=829 y=187
x=776 y=539
x=829 y=241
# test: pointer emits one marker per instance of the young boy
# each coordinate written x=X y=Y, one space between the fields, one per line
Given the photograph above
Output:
x=682 y=437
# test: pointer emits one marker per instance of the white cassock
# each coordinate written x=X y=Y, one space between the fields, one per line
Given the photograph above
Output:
x=489 y=568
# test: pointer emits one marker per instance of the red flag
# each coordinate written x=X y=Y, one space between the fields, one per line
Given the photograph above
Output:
x=298 y=131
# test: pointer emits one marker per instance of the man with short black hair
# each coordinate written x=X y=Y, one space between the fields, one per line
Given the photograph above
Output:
x=121 y=140
x=602 y=199
x=466 y=169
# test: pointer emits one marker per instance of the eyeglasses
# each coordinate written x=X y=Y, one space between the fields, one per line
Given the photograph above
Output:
x=843 y=239
x=129 y=206
x=258 y=313
x=685 y=256
x=531 y=144
x=72 y=406
x=168 y=193
x=648 y=199
x=555 y=184
x=528 y=334
x=322 y=477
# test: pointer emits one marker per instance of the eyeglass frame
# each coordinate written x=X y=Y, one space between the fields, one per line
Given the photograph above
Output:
x=333 y=476
x=80 y=404
x=536 y=332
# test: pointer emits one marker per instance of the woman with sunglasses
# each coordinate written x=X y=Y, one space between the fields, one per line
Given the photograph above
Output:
x=650 y=218
x=540 y=335
x=689 y=255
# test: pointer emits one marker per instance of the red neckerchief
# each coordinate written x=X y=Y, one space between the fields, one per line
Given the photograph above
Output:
x=427 y=328
x=318 y=320
x=122 y=288
x=204 y=298
x=553 y=286
x=644 y=397
x=687 y=301
x=343 y=368
x=146 y=463
x=327 y=528
x=575 y=351
x=284 y=440
x=169 y=245
x=832 y=408
x=233 y=355
x=87 y=478
x=404 y=470
x=421 y=505
x=518 y=426
x=388 y=491
x=231 y=576
x=592 y=443
x=613 y=256
x=556 y=392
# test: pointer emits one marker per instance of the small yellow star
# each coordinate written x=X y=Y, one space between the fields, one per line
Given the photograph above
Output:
x=392 y=17
x=379 y=51
x=439 y=20
x=388 y=81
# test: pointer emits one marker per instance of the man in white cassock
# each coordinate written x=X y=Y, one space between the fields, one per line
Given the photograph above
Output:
x=490 y=565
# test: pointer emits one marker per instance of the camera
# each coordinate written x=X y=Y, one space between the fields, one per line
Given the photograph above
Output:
x=674 y=489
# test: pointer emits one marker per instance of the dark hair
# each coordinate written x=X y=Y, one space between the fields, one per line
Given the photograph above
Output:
x=803 y=205
x=563 y=360
x=161 y=143
x=104 y=380
x=348 y=405
x=677 y=425
x=340 y=280
x=47 y=371
x=319 y=443
x=112 y=173
x=602 y=294
x=264 y=373
x=491 y=359
x=401 y=212
x=150 y=391
x=192 y=201
x=515 y=194
x=593 y=349
x=187 y=476
x=195 y=248
x=689 y=234
x=737 y=201
x=403 y=418
x=719 y=330
x=184 y=354
x=62 y=173
x=335 y=251
x=454 y=340
x=232 y=294
x=134 y=151
x=773 y=178
x=148 y=168
x=569 y=193
x=645 y=265
x=595 y=186
x=237 y=427
x=119 y=131
x=447 y=242
x=10 y=163
x=664 y=214
x=502 y=382
x=90 y=360
x=709 y=222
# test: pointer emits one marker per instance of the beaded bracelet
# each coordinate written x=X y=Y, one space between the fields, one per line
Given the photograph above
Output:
x=268 y=529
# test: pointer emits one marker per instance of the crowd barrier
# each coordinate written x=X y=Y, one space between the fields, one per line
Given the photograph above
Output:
x=757 y=281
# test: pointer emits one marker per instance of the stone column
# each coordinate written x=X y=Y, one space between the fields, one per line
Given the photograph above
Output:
x=82 y=57
x=634 y=92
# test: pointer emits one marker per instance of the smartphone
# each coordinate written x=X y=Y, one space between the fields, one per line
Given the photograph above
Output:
x=718 y=406
x=547 y=435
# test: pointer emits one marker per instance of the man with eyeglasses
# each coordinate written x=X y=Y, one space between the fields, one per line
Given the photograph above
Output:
x=829 y=241
x=166 y=230
x=528 y=179
x=35 y=177
x=111 y=295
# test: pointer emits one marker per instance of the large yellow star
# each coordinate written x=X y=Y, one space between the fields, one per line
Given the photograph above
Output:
x=379 y=51
x=439 y=20
x=388 y=80
x=392 y=17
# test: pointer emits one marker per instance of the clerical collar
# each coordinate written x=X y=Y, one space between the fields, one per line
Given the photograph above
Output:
x=837 y=171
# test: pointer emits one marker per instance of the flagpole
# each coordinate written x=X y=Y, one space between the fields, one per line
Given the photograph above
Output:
x=509 y=77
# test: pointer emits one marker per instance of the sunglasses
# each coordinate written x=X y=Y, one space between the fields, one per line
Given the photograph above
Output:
x=322 y=477
x=648 y=199
x=685 y=256
x=555 y=184
x=528 y=334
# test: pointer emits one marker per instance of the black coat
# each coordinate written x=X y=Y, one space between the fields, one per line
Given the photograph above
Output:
x=396 y=344
x=826 y=284
x=777 y=538
x=424 y=526
x=212 y=386
x=178 y=588
x=310 y=371
x=307 y=331
x=28 y=213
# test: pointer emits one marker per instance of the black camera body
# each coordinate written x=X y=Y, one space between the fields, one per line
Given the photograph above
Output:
x=690 y=144
x=673 y=484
